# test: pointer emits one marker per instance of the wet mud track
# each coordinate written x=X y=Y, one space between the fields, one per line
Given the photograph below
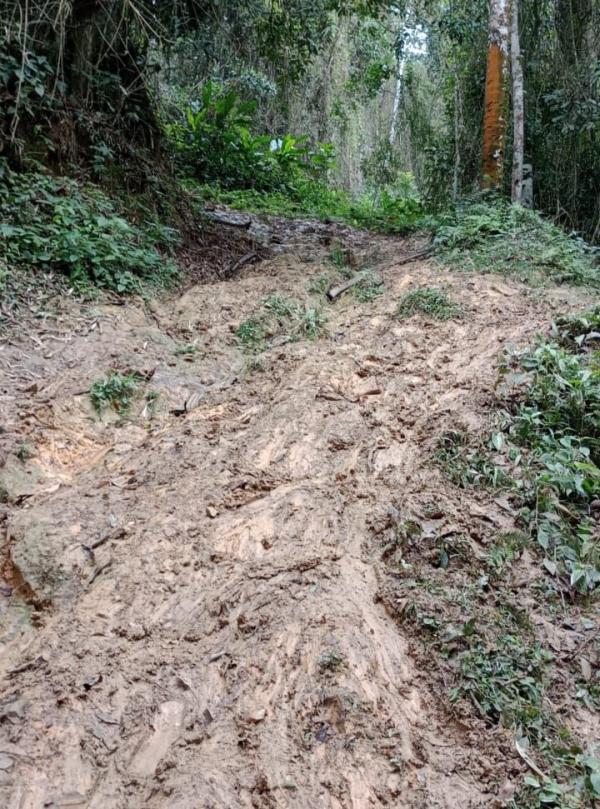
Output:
x=191 y=606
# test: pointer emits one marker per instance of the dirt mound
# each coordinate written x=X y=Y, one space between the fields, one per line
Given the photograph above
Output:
x=195 y=611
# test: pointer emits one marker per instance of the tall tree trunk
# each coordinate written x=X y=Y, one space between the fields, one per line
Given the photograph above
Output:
x=518 y=106
x=494 y=123
x=396 y=107
x=400 y=65
x=458 y=124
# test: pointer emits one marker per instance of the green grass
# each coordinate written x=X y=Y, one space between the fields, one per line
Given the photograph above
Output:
x=385 y=214
x=339 y=258
x=186 y=350
x=251 y=335
x=369 y=288
x=285 y=317
x=429 y=301
x=490 y=235
x=318 y=286
x=117 y=391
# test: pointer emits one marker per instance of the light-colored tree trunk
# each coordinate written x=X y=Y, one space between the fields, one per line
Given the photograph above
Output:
x=458 y=124
x=397 y=99
x=518 y=106
x=494 y=123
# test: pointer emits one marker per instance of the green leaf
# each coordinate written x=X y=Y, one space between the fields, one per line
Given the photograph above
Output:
x=497 y=441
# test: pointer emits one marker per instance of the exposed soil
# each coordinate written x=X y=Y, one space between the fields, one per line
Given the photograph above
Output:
x=194 y=612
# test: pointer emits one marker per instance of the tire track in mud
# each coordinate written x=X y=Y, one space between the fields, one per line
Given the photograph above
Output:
x=232 y=650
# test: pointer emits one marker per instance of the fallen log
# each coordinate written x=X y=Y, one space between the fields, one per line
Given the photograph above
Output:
x=241 y=262
x=414 y=256
x=234 y=220
x=335 y=292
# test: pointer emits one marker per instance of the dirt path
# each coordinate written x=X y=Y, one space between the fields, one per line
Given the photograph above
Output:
x=192 y=611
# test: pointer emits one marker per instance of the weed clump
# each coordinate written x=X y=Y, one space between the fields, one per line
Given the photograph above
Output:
x=117 y=390
x=429 y=301
x=282 y=316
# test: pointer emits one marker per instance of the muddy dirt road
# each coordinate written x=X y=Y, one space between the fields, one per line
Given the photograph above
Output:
x=192 y=612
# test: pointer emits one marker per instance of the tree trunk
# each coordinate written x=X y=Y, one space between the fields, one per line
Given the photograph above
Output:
x=397 y=99
x=457 y=137
x=400 y=64
x=494 y=123
x=518 y=106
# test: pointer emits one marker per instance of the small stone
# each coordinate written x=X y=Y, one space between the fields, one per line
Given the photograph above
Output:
x=212 y=512
x=6 y=762
x=257 y=716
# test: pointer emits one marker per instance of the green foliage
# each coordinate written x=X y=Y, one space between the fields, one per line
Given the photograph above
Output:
x=557 y=419
x=551 y=445
x=23 y=88
x=282 y=316
x=506 y=677
x=54 y=224
x=428 y=301
x=577 y=331
x=215 y=144
x=117 y=390
x=505 y=680
x=468 y=465
x=505 y=550
x=495 y=236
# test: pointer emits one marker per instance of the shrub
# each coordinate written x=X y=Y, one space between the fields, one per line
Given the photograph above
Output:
x=556 y=418
x=214 y=143
x=52 y=223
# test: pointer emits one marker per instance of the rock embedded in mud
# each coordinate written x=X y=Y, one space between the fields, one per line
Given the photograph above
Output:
x=18 y=479
x=168 y=726
x=34 y=552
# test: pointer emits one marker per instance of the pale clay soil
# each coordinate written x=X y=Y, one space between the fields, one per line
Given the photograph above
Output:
x=180 y=663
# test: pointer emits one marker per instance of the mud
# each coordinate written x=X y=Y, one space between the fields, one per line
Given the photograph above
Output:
x=192 y=612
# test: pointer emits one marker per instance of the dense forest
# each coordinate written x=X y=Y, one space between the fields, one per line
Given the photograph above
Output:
x=299 y=404
x=397 y=91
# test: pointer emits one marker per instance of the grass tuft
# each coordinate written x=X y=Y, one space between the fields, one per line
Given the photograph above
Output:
x=429 y=301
